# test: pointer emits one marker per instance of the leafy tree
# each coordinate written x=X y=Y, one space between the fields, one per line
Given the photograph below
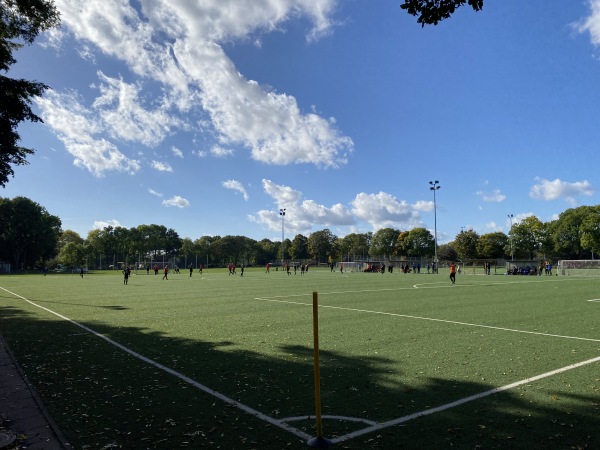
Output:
x=205 y=250
x=590 y=230
x=188 y=249
x=29 y=234
x=446 y=252
x=320 y=244
x=266 y=251
x=492 y=245
x=20 y=23
x=284 y=249
x=69 y=236
x=401 y=244
x=434 y=11
x=384 y=242
x=567 y=232
x=72 y=254
x=419 y=242
x=465 y=245
x=528 y=237
x=299 y=247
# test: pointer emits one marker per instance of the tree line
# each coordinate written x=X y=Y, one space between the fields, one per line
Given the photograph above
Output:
x=31 y=237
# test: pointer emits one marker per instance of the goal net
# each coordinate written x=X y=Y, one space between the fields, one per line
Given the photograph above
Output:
x=350 y=266
x=580 y=267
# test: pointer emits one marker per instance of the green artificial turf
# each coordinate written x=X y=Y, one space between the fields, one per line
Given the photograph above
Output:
x=391 y=345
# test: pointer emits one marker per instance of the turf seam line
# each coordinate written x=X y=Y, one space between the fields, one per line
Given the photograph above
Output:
x=222 y=397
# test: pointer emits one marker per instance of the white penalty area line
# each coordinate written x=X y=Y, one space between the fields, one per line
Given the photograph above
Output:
x=278 y=423
x=460 y=402
x=431 y=319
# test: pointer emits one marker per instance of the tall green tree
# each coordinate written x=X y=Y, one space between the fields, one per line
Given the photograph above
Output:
x=20 y=23
x=299 y=247
x=528 y=237
x=567 y=232
x=419 y=242
x=29 y=234
x=465 y=245
x=320 y=244
x=590 y=231
x=383 y=243
x=492 y=245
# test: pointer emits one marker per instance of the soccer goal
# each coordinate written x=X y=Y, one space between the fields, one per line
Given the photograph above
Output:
x=349 y=266
x=579 y=267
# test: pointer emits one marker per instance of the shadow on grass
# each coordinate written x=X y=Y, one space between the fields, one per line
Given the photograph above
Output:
x=102 y=397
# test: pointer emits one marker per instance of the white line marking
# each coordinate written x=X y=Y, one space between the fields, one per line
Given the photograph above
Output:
x=462 y=401
x=245 y=408
x=594 y=300
x=407 y=316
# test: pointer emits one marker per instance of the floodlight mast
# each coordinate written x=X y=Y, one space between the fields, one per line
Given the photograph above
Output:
x=434 y=187
x=282 y=214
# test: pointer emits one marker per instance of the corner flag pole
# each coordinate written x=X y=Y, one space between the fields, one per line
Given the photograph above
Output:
x=319 y=441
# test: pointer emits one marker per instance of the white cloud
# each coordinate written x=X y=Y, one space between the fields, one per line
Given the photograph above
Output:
x=557 y=189
x=120 y=108
x=80 y=132
x=378 y=210
x=220 y=152
x=153 y=192
x=494 y=196
x=384 y=210
x=178 y=45
x=177 y=152
x=176 y=201
x=236 y=186
x=300 y=215
x=283 y=195
x=591 y=24
x=101 y=224
x=422 y=205
x=161 y=167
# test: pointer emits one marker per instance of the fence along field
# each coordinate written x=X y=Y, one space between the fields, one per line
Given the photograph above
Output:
x=393 y=347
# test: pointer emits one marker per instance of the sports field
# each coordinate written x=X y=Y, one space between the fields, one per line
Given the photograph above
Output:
x=406 y=360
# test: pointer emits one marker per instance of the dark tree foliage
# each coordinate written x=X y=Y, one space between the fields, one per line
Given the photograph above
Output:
x=20 y=23
x=29 y=234
x=430 y=12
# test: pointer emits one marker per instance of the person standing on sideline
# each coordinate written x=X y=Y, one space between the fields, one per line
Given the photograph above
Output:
x=126 y=273
x=191 y=269
x=165 y=276
x=242 y=270
x=81 y=271
x=452 y=272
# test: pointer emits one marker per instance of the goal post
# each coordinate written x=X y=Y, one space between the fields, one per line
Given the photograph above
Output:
x=352 y=266
x=579 y=267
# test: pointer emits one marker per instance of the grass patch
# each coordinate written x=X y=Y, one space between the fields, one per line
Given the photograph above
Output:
x=392 y=345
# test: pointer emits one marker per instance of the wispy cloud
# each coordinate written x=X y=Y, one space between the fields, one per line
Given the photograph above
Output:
x=494 y=196
x=161 y=167
x=302 y=215
x=153 y=192
x=177 y=152
x=101 y=224
x=176 y=201
x=558 y=189
x=177 y=46
x=236 y=186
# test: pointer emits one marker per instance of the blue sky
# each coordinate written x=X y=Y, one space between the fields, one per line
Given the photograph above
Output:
x=210 y=116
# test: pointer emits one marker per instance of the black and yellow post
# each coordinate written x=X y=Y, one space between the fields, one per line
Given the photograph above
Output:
x=318 y=441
